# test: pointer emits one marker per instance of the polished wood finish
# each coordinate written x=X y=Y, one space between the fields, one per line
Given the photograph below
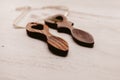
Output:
x=61 y=23
x=56 y=45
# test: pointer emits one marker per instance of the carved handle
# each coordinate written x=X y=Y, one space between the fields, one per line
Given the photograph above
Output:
x=56 y=45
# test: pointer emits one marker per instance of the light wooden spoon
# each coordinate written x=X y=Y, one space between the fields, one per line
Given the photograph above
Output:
x=56 y=45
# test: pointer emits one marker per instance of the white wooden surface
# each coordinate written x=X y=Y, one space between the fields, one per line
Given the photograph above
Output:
x=24 y=58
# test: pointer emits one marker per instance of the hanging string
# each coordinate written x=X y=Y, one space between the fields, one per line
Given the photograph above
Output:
x=27 y=9
x=24 y=10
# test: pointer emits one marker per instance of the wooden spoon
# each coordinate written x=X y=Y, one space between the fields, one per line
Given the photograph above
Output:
x=39 y=31
x=61 y=23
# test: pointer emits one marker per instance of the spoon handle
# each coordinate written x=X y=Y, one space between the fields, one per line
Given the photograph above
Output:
x=57 y=45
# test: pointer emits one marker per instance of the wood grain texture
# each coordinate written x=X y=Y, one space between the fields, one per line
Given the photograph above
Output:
x=61 y=23
x=39 y=31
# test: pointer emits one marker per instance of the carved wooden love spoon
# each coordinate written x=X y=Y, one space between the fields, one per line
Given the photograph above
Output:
x=61 y=23
x=56 y=45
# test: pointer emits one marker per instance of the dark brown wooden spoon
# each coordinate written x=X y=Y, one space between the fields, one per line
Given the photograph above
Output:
x=61 y=23
x=56 y=45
